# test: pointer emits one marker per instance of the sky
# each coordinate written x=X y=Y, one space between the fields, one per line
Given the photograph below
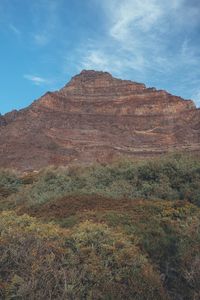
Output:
x=43 y=43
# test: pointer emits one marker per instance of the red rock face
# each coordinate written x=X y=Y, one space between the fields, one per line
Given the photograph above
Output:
x=96 y=117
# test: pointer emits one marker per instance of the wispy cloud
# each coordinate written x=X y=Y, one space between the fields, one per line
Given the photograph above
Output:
x=131 y=17
x=14 y=29
x=138 y=34
x=196 y=97
x=41 y=39
x=189 y=53
x=153 y=40
x=103 y=59
x=95 y=59
x=37 y=80
x=98 y=59
x=46 y=21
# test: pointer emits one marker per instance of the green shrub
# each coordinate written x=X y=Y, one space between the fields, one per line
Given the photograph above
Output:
x=167 y=178
x=9 y=183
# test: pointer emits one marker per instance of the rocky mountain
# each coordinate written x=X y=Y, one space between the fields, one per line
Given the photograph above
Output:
x=96 y=117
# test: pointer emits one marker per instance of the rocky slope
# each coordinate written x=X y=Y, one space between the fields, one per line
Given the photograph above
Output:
x=96 y=117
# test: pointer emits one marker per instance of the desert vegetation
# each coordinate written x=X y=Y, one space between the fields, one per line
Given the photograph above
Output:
x=129 y=230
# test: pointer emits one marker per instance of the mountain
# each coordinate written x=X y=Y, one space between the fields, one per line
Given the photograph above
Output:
x=96 y=117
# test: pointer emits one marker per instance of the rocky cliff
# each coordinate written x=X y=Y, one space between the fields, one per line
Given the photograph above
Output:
x=96 y=117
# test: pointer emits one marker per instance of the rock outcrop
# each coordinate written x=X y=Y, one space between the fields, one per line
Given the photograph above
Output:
x=96 y=117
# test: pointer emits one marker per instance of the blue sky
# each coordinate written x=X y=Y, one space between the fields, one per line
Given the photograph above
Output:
x=43 y=43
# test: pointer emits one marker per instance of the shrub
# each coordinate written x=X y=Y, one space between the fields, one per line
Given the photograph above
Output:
x=168 y=178
x=9 y=183
x=41 y=261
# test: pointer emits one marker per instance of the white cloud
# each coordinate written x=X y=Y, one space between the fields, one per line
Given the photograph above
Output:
x=131 y=16
x=115 y=63
x=140 y=27
x=128 y=37
x=143 y=36
x=95 y=59
x=148 y=40
x=37 y=80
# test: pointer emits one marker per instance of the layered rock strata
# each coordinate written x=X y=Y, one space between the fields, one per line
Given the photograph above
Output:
x=96 y=117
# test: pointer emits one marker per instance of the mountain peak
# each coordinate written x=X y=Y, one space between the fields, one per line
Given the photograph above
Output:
x=90 y=78
x=97 y=117
x=91 y=75
x=98 y=80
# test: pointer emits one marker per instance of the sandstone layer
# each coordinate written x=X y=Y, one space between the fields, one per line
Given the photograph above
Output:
x=96 y=117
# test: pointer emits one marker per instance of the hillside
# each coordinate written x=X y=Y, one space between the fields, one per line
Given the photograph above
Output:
x=97 y=117
x=129 y=230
